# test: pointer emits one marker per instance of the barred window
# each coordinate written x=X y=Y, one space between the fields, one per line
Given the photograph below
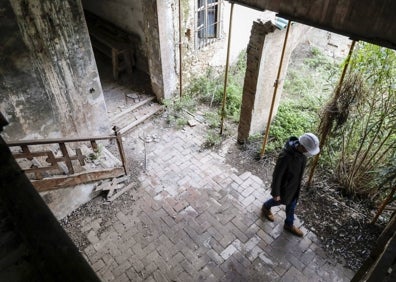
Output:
x=208 y=22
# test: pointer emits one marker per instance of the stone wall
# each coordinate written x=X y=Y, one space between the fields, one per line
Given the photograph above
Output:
x=197 y=61
x=49 y=82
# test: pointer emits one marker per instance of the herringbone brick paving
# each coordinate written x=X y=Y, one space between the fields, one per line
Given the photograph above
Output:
x=196 y=218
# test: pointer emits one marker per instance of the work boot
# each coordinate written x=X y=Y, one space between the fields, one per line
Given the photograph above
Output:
x=267 y=213
x=294 y=230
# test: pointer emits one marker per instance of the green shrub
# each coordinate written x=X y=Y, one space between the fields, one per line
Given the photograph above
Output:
x=213 y=139
x=290 y=120
x=178 y=109
x=212 y=119
x=209 y=88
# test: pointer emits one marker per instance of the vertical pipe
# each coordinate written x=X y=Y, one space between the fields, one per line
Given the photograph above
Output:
x=275 y=92
x=226 y=71
x=180 y=54
x=120 y=149
x=324 y=135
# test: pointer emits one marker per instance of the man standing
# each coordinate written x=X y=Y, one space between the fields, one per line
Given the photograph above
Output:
x=287 y=176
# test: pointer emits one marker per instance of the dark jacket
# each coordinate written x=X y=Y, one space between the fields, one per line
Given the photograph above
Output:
x=288 y=172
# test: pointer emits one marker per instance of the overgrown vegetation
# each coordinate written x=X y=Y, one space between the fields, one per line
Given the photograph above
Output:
x=208 y=90
x=361 y=149
x=179 y=109
x=308 y=84
x=362 y=124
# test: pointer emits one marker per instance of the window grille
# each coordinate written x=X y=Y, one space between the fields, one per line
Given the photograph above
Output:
x=207 y=21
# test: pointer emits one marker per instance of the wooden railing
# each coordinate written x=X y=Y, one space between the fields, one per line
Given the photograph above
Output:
x=49 y=175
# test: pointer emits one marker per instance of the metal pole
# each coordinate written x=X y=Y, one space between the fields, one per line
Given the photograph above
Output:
x=180 y=54
x=275 y=92
x=324 y=135
x=226 y=71
x=120 y=149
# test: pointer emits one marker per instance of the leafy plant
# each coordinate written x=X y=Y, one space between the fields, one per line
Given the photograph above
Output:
x=178 y=109
x=314 y=77
x=209 y=87
x=213 y=119
x=291 y=120
x=212 y=139
x=363 y=122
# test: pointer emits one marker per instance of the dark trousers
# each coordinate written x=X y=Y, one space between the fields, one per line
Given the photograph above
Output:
x=289 y=209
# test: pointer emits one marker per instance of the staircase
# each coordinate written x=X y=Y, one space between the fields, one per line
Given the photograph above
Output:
x=135 y=114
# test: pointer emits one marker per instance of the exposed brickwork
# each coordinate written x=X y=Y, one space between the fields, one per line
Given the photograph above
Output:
x=195 y=218
x=254 y=54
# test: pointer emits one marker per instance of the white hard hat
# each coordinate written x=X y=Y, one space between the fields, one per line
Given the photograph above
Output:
x=310 y=142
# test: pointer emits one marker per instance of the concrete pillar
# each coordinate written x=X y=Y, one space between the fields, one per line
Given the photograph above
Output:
x=158 y=20
x=263 y=58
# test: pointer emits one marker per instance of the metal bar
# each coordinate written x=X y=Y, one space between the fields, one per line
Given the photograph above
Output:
x=180 y=53
x=121 y=150
x=275 y=92
x=226 y=71
x=323 y=137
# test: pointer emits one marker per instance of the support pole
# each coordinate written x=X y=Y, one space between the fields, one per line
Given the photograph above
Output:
x=383 y=205
x=120 y=149
x=226 y=71
x=180 y=54
x=275 y=92
x=323 y=137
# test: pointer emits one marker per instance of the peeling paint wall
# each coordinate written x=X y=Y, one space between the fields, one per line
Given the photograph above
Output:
x=49 y=82
x=157 y=22
x=196 y=61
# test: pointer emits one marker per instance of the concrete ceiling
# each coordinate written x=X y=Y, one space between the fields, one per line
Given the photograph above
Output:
x=366 y=20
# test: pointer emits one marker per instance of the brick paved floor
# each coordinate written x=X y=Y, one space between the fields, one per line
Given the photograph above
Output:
x=195 y=218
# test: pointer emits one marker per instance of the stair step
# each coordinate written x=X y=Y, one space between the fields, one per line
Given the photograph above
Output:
x=134 y=115
x=142 y=117
x=130 y=109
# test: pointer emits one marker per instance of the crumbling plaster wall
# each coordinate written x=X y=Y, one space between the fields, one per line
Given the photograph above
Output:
x=263 y=62
x=196 y=62
x=153 y=22
x=49 y=82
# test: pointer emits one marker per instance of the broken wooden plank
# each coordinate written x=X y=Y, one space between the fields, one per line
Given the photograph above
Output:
x=78 y=178
x=120 y=192
x=107 y=184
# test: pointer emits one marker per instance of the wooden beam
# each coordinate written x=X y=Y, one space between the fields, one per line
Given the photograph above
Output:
x=76 y=179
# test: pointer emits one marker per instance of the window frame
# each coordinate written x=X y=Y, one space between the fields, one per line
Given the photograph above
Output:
x=203 y=26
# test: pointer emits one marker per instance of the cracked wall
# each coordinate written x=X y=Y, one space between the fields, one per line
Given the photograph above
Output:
x=49 y=82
